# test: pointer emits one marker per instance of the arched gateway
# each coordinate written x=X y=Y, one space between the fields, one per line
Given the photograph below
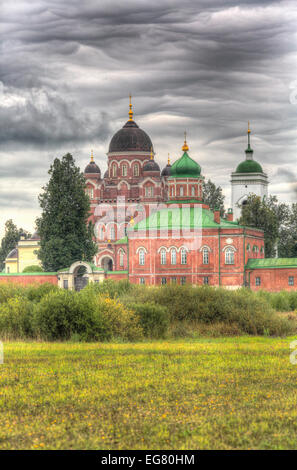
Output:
x=79 y=275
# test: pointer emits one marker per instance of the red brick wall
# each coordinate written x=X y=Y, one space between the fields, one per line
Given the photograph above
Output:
x=274 y=279
x=25 y=280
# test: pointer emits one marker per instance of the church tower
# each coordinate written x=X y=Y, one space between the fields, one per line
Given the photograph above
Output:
x=248 y=178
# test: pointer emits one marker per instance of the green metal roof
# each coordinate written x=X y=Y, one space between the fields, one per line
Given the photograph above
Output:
x=29 y=274
x=182 y=217
x=249 y=166
x=272 y=263
x=121 y=241
x=185 y=167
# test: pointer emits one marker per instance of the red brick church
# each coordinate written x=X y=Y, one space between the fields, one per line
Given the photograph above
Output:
x=152 y=226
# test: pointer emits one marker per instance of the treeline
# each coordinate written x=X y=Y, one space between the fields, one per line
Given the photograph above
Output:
x=126 y=312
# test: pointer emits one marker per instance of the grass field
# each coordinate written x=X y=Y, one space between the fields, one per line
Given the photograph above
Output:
x=235 y=393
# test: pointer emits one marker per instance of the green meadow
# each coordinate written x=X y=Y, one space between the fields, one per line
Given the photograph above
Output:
x=205 y=393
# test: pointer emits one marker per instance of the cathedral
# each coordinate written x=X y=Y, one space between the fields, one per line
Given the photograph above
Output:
x=152 y=226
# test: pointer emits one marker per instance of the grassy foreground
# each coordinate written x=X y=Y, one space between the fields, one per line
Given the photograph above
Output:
x=235 y=393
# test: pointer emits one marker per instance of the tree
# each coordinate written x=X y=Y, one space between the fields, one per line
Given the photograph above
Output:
x=65 y=235
x=287 y=247
x=10 y=239
x=213 y=196
x=269 y=215
x=33 y=269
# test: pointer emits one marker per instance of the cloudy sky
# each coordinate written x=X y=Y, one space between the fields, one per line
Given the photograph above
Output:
x=207 y=66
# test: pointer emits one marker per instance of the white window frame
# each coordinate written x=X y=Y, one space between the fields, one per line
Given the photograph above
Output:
x=205 y=255
x=183 y=256
x=141 y=257
x=173 y=256
x=163 y=256
x=124 y=169
x=229 y=256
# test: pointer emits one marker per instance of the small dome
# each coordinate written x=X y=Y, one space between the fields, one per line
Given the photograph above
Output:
x=130 y=139
x=92 y=168
x=249 y=166
x=151 y=166
x=166 y=170
x=185 y=167
x=13 y=253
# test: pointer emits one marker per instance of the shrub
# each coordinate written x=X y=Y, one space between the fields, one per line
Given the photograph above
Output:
x=16 y=318
x=36 y=292
x=154 y=319
x=33 y=269
x=63 y=314
x=56 y=315
x=8 y=291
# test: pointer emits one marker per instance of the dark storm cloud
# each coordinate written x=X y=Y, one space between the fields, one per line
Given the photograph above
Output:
x=208 y=66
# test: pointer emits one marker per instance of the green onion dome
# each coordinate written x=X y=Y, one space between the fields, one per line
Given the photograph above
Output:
x=249 y=166
x=185 y=167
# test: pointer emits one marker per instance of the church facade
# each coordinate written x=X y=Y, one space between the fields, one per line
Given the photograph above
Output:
x=152 y=226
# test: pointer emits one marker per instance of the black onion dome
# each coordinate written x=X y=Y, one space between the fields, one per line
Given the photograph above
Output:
x=151 y=166
x=166 y=170
x=130 y=138
x=92 y=168
x=13 y=253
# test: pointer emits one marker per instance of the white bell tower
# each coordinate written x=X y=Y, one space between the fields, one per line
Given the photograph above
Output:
x=248 y=178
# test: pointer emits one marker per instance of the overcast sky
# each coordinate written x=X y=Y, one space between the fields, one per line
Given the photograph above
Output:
x=207 y=66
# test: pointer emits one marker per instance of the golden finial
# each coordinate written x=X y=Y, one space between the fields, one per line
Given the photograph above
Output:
x=249 y=130
x=152 y=155
x=92 y=156
x=168 y=159
x=130 y=110
x=185 y=147
x=132 y=220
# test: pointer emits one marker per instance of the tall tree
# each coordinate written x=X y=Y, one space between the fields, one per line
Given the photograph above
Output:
x=287 y=246
x=11 y=237
x=63 y=226
x=269 y=215
x=213 y=196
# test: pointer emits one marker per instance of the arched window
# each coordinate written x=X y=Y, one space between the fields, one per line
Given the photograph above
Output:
x=229 y=256
x=181 y=191
x=112 y=233
x=141 y=257
x=114 y=170
x=136 y=170
x=193 y=190
x=173 y=256
x=101 y=233
x=121 y=258
x=90 y=193
x=205 y=253
x=149 y=191
x=124 y=170
x=163 y=256
x=248 y=247
x=172 y=191
x=183 y=256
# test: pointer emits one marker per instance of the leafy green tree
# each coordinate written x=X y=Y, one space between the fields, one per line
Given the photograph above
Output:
x=213 y=196
x=269 y=215
x=63 y=226
x=10 y=239
x=287 y=246
x=33 y=269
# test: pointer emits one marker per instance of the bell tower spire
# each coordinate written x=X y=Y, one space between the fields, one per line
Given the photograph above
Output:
x=130 y=108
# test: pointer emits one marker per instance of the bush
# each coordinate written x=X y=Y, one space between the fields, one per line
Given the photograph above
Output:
x=33 y=269
x=36 y=292
x=8 y=291
x=16 y=318
x=63 y=314
x=154 y=319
